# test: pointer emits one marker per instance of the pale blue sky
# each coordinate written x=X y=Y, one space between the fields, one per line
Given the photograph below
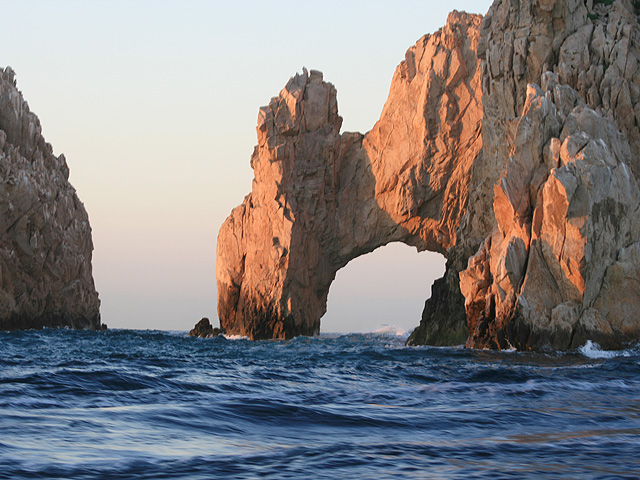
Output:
x=154 y=104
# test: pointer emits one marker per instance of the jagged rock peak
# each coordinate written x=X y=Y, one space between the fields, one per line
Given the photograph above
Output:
x=45 y=236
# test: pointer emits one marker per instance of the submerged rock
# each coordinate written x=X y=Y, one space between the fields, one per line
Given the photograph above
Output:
x=45 y=236
x=511 y=146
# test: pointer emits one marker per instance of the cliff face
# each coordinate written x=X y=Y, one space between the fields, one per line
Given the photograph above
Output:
x=512 y=147
x=551 y=272
x=45 y=237
x=557 y=178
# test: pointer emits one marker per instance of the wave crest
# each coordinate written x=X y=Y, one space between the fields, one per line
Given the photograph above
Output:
x=593 y=350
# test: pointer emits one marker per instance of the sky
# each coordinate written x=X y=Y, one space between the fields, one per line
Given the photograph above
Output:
x=154 y=104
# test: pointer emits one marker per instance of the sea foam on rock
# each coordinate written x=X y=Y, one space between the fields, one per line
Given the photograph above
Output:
x=45 y=236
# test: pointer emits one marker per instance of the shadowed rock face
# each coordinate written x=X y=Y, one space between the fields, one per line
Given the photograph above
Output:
x=45 y=237
x=320 y=199
x=204 y=329
x=537 y=213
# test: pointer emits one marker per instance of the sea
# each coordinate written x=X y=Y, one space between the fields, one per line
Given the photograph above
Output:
x=128 y=404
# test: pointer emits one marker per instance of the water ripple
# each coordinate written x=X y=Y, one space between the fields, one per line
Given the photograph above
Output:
x=160 y=405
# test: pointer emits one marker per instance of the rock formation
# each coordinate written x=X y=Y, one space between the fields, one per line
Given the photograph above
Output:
x=204 y=329
x=558 y=176
x=566 y=210
x=511 y=147
x=45 y=237
x=320 y=199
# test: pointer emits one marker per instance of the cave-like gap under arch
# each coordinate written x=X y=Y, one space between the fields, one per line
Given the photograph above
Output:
x=382 y=290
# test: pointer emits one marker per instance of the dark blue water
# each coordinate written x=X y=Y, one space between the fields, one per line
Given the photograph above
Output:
x=158 y=405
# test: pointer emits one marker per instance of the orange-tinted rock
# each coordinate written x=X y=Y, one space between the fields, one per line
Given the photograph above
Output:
x=512 y=148
x=561 y=161
x=320 y=199
x=557 y=238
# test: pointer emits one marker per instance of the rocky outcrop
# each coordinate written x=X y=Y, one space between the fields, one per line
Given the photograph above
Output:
x=513 y=148
x=204 y=329
x=45 y=237
x=320 y=199
x=557 y=178
x=566 y=212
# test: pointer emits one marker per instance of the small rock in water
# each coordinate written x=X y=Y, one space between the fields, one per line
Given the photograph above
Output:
x=203 y=329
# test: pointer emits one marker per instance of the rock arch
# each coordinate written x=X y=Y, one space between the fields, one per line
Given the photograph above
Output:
x=511 y=146
x=320 y=198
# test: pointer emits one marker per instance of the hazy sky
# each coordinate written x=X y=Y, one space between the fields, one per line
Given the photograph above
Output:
x=154 y=104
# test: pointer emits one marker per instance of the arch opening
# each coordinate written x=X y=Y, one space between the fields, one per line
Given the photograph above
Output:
x=384 y=290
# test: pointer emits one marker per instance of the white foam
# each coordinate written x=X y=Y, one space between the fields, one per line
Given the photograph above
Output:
x=235 y=337
x=593 y=350
x=393 y=330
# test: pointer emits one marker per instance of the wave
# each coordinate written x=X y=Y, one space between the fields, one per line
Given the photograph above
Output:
x=235 y=337
x=145 y=404
x=392 y=330
x=593 y=350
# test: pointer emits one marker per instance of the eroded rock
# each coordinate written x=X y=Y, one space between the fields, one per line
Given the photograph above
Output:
x=566 y=209
x=320 y=199
x=557 y=171
x=204 y=329
x=511 y=147
x=45 y=236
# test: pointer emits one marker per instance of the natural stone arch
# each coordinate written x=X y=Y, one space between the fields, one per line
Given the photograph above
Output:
x=384 y=291
x=538 y=217
x=320 y=199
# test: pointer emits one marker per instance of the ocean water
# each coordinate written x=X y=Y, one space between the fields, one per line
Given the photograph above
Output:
x=126 y=404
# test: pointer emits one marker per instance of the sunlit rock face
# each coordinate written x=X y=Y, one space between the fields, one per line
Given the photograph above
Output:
x=45 y=237
x=556 y=185
x=561 y=265
x=320 y=199
x=511 y=147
